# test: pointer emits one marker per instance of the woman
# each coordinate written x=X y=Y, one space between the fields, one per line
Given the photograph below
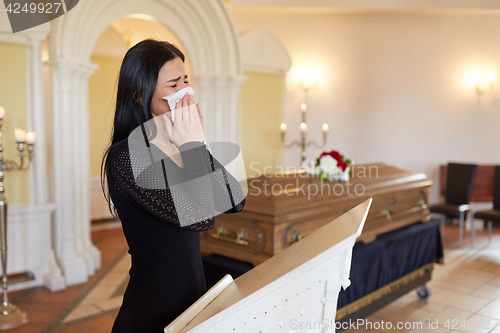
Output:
x=164 y=205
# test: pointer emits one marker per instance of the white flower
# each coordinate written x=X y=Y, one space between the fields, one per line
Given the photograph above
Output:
x=334 y=174
x=345 y=174
x=308 y=166
x=327 y=164
x=338 y=174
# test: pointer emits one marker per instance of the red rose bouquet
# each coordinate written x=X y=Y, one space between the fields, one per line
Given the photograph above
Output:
x=329 y=165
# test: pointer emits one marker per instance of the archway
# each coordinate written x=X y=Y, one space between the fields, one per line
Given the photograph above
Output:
x=206 y=30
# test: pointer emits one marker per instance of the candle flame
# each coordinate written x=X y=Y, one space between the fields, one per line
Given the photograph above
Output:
x=30 y=138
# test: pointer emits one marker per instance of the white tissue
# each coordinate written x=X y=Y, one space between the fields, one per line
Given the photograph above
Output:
x=176 y=97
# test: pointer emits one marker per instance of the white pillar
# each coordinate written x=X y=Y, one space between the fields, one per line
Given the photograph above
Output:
x=77 y=256
x=219 y=98
x=53 y=278
x=36 y=117
x=82 y=156
x=204 y=96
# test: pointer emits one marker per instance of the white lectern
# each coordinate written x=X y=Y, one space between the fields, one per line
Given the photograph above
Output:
x=295 y=291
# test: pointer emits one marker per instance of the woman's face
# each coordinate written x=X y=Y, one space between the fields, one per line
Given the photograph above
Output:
x=171 y=78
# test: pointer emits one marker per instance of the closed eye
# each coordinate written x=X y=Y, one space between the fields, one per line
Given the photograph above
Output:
x=175 y=85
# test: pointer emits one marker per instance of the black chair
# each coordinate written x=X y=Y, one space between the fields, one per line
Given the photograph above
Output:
x=459 y=182
x=492 y=214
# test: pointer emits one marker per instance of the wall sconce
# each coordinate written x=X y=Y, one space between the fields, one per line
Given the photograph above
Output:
x=307 y=79
x=481 y=87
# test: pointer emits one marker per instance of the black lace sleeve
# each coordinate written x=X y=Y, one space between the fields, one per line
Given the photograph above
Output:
x=227 y=192
x=186 y=199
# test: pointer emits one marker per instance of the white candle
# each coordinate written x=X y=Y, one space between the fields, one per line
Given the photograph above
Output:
x=303 y=107
x=283 y=127
x=20 y=135
x=303 y=127
x=2 y=112
x=325 y=127
x=30 y=138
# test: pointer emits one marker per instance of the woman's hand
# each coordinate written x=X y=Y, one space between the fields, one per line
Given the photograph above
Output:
x=188 y=125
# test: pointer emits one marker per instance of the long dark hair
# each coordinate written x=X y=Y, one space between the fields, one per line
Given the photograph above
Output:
x=136 y=87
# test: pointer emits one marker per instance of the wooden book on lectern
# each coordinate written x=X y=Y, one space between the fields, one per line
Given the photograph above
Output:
x=294 y=290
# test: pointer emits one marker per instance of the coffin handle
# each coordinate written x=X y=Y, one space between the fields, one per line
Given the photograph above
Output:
x=221 y=234
x=422 y=204
x=296 y=236
x=386 y=213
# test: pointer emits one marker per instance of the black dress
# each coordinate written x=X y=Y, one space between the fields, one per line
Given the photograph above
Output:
x=166 y=275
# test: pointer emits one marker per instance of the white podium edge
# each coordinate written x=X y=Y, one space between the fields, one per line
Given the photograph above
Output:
x=180 y=323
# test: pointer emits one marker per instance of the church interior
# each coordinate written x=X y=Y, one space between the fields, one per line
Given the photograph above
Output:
x=403 y=97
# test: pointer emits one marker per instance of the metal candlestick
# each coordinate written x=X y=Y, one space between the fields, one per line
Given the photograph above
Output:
x=10 y=315
x=303 y=143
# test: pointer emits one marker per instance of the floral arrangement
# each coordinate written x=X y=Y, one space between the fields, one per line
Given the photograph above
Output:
x=329 y=165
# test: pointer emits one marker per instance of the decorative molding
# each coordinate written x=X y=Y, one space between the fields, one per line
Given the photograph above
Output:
x=13 y=38
x=262 y=52
x=338 y=5
x=29 y=244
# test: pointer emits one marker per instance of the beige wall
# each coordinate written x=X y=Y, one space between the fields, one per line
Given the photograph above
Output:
x=396 y=88
x=13 y=97
x=261 y=97
x=102 y=92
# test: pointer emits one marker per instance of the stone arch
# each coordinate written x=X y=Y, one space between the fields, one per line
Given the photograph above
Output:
x=205 y=28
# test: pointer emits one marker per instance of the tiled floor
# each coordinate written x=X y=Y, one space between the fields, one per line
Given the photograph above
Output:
x=466 y=288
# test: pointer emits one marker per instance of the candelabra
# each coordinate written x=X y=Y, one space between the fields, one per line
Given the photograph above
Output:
x=307 y=81
x=10 y=315
x=303 y=143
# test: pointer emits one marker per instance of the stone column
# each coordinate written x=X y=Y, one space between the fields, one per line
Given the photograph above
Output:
x=219 y=98
x=77 y=256
x=53 y=278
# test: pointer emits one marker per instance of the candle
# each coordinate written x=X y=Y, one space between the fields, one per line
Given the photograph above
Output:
x=30 y=138
x=20 y=135
x=325 y=127
x=2 y=112
x=303 y=107
x=283 y=127
x=303 y=127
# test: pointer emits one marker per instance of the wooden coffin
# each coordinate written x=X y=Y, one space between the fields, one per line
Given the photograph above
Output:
x=283 y=208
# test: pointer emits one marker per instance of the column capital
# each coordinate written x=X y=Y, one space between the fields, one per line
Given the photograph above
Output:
x=37 y=37
x=72 y=65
